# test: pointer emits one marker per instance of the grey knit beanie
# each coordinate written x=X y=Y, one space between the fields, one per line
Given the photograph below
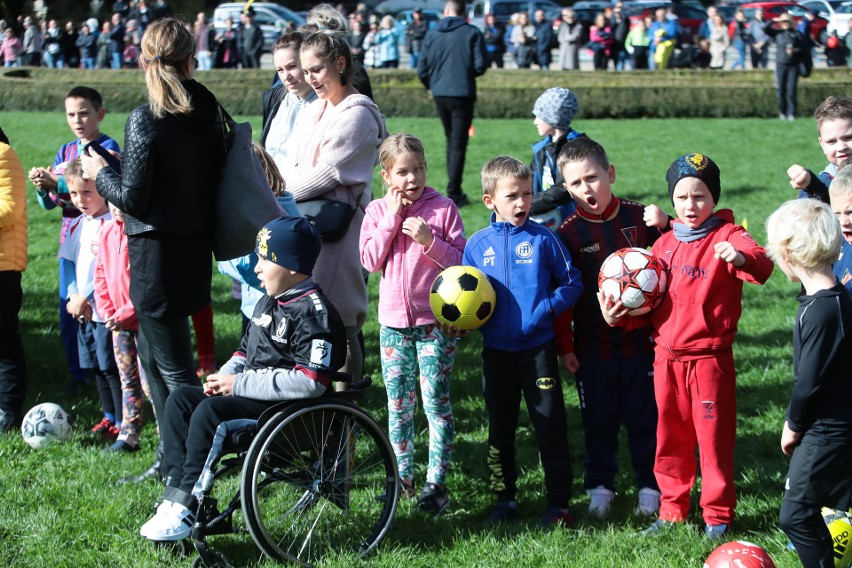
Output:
x=557 y=107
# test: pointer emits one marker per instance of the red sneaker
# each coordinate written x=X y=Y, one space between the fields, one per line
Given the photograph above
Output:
x=103 y=427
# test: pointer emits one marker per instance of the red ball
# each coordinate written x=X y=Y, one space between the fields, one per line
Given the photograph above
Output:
x=832 y=42
x=739 y=554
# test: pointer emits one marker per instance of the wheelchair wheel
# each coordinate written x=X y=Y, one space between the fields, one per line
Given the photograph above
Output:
x=319 y=480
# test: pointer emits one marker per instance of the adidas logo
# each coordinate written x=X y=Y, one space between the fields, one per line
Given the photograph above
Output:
x=489 y=252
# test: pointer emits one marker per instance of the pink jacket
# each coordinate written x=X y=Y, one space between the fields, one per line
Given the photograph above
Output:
x=11 y=48
x=408 y=269
x=112 y=276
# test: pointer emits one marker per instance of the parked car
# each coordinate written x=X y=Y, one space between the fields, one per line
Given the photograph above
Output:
x=774 y=9
x=837 y=12
x=503 y=9
x=271 y=18
x=689 y=17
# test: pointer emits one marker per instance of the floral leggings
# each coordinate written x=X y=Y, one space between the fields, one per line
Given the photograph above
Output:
x=134 y=385
x=402 y=351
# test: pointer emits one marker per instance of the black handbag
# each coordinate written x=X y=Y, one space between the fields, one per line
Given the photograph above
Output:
x=244 y=201
x=330 y=218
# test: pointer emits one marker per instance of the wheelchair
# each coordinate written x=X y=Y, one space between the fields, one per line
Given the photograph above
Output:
x=319 y=478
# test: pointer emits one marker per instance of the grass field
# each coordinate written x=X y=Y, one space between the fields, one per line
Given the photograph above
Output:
x=61 y=506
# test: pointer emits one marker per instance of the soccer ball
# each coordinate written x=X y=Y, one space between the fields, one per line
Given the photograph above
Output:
x=462 y=296
x=840 y=526
x=739 y=554
x=634 y=276
x=45 y=424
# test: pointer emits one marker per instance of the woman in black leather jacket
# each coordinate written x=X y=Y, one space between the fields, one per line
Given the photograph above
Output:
x=173 y=147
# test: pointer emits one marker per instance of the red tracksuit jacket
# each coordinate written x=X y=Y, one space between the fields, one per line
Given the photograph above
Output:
x=699 y=313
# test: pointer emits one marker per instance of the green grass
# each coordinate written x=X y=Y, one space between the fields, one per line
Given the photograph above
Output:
x=61 y=507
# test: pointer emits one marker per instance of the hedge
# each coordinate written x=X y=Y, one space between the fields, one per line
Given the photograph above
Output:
x=502 y=93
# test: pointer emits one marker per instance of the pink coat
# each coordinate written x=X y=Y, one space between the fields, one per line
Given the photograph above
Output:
x=408 y=269
x=11 y=48
x=112 y=276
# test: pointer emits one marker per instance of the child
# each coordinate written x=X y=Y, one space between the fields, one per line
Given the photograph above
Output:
x=84 y=112
x=554 y=110
x=804 y=239
x=535 y=280
x=80 y=250
x=295 y=342
x=708 y=258
x=410 y=236
x=613 y=367
x=840 y=194
x=834 y=126
x=112 y=298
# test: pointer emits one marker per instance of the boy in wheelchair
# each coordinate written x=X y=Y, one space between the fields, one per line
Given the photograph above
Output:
x=291 y=348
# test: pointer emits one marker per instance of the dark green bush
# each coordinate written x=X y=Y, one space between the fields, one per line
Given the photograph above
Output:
x=502 y=94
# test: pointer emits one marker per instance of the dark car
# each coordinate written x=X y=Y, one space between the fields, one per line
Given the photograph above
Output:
x=774 y=9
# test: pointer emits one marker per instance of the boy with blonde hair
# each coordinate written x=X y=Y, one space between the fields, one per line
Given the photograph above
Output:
x=805 y=239
x=80 y=252
x=534 y=280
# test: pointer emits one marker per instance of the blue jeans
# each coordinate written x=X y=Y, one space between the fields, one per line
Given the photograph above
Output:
x=10 y=64
x=88 y=62
x=740 y=46
x=115 y=60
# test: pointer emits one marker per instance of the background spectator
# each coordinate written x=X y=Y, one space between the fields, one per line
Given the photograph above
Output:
x=569 y=37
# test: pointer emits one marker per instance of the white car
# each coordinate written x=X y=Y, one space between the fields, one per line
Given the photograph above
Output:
x=837 y=12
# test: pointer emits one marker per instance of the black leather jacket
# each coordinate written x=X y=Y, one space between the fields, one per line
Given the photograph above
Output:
x=170 y=168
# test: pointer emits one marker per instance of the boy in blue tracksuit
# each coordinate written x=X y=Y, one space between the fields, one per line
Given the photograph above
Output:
x=534 y=279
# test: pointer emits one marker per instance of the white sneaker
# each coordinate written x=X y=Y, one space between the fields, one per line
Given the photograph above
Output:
x=172 y=522
x=600 y=500
x=649 y=502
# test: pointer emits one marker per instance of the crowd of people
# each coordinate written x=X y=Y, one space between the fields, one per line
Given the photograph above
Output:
x=135 y=266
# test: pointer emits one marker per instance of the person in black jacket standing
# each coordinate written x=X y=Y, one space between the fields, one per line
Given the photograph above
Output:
x=453 y=56
x=789 y=53
x=251 y=41
x=415 y=33
x=170 y=167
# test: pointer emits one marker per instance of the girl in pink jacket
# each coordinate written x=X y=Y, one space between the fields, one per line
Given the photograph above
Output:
x=411 y=236
x=112 y=300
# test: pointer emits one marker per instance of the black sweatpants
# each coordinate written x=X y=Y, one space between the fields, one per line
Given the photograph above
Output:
x=456 y=114
x=818 y=477
x=534 y=374
x=188 y=426
x=12 y=371
x=787 y=78
x=615 y=392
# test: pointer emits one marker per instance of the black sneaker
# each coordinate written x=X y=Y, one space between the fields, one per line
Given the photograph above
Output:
x=503 y=512
x=460 y=200
x=433 y=499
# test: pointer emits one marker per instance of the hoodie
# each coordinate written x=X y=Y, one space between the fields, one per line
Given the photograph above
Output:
x=408 y=268
x=452 y=57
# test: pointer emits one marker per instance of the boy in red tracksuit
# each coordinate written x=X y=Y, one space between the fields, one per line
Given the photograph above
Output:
x=708 y=257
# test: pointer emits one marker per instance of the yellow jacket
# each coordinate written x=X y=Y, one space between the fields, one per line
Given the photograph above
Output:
x=13 y=211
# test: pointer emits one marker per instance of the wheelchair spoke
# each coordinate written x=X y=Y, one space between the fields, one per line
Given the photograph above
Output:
x=311 y=481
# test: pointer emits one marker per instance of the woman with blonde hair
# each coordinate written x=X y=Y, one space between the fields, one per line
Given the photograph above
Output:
x=170 y=166
x=334 y=159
